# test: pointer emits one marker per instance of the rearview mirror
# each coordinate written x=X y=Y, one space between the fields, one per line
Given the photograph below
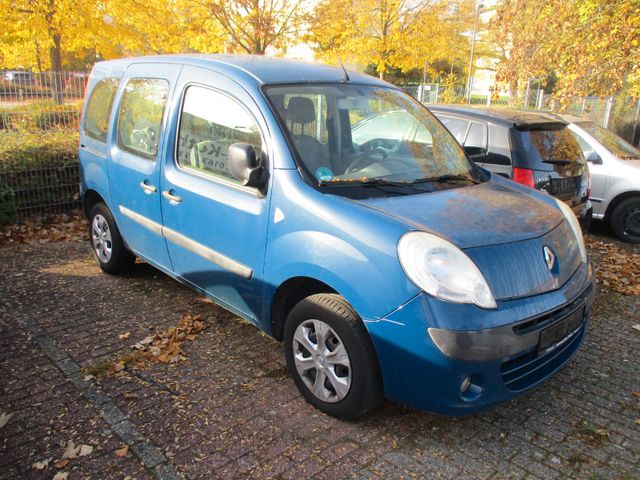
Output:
x=594 y=158
x=243 y=165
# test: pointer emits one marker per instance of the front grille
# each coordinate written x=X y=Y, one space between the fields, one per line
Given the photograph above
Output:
x=529 y=369
x=564 y=185
x=542 y=321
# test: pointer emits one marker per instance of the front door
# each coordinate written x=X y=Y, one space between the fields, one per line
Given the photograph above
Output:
x=215 y=228
x=139 y=141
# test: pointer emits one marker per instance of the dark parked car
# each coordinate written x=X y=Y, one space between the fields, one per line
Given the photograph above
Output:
x=532 y=148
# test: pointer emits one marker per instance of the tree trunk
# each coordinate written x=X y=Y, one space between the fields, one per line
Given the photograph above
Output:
x=55 y=56
x=381 y=75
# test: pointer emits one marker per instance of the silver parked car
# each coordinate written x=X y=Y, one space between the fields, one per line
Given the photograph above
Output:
x=615 y=177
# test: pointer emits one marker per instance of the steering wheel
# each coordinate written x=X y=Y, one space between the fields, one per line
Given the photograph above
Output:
x=353 y=165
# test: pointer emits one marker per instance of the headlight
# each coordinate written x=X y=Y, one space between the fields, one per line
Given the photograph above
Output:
x=575 y=226
x=441 y=269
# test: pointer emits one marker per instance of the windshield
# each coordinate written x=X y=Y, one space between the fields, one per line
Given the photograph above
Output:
x=356 y=134
x=611 y=142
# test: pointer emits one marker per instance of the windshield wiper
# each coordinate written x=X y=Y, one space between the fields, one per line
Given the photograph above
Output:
x=372 y=182
x=557 y=162
x=446 y=178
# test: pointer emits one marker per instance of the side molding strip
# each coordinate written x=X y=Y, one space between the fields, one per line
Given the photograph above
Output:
x=155 y=227
x=191 y=245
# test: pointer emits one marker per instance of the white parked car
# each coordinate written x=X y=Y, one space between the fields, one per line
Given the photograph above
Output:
x=615 y=177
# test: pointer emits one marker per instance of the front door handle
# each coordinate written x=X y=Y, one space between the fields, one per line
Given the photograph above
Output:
x=147 y=187
x=173 y=199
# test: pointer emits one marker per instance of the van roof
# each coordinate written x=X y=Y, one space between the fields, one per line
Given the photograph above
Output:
x=505 y=116
x=258 y=67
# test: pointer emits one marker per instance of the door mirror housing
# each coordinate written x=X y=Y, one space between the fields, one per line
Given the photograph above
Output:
x=594 y=158
x=243 y=165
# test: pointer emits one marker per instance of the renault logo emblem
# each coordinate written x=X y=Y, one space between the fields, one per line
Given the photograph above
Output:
x=549 y=257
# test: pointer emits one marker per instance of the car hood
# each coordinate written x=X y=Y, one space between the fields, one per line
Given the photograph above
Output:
x=490 y=213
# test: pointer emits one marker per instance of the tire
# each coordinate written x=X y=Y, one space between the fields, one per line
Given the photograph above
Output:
x=625 y=220
x=348 y=388
x=106 y=242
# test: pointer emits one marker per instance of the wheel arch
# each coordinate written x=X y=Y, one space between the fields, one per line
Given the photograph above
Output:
x=288 y=294
x=89 y=199
x=617 y=200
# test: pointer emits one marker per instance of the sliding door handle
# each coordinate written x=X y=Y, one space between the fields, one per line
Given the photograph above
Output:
x=173 y=199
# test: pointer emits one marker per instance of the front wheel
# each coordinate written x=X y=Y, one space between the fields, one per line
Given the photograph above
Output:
x=331 y=358
x=625 y=220
x=106 y=242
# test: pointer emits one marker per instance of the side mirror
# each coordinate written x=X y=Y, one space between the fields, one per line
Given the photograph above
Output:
x=243 y=165
x=594 y=158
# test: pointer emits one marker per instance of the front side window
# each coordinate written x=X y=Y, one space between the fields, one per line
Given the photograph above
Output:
x=140 y=117
x=209 y=124
x=96 y=115
x=612 y=142
x=368 y=135
x=476 y=142
x=456 y=126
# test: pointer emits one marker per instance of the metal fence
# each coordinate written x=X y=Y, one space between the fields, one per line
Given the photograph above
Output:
x=40 y=112
x=620 y=115
x=39 y=116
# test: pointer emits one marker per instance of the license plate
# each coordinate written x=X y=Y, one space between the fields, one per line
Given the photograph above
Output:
x=556 y=335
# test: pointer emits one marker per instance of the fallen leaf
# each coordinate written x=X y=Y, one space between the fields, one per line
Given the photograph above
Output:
x=61 y=476
x=118 y=367
x=122 y=452
x=636 y=327
x=71 y=451
x=124 y=336
x=4 y=418
x=61 y=463
x=636 y=394
x=88 y=378
x=42 y=464
x=85 y=450
x=129 y=395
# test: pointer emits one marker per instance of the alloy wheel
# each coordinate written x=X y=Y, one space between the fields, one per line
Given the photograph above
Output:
x=322 y=360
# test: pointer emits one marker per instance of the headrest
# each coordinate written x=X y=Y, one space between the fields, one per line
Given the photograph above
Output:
x=301 y=110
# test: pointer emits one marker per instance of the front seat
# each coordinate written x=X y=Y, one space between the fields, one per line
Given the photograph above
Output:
x=314 y=155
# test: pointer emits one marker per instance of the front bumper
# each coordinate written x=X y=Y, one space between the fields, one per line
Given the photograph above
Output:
x=495 y=355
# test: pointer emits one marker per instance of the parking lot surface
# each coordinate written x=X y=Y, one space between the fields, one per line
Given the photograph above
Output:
x=228 y=409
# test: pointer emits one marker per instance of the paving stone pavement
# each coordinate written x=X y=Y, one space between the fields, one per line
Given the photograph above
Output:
x=231 y=411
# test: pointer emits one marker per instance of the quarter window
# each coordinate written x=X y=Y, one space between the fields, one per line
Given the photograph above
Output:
x=96 y=115
x=210 y=123
x=140 y=117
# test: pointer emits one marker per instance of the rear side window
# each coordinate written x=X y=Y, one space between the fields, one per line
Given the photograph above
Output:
x=545 y=148
x=209 y=124
x=140 y=117
x=96 y=115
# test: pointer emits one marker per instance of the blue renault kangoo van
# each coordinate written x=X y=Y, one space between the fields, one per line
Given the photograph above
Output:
x=387 y=262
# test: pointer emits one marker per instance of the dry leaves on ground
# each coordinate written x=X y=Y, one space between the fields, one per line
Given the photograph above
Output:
x=4 y=418
x=163 y=347
x=616 y=269
x=46 y=230
x=122 y=452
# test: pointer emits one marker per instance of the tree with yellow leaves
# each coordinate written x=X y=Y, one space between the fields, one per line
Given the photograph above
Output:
x=390 y=33
x=253 y=26
x=592 y=47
